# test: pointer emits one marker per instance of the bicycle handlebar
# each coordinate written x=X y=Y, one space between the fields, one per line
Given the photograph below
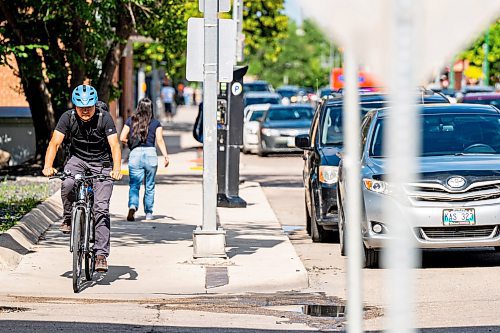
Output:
x=80 y=177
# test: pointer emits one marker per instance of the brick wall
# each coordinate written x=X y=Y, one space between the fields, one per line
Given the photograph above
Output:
x=10 y=88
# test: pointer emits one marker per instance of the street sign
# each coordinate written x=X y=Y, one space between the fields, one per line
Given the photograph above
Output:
x=196 y=53
x=224 y=6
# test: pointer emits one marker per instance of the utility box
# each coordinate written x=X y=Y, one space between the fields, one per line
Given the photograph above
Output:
x=17 y=133
x=230 y=107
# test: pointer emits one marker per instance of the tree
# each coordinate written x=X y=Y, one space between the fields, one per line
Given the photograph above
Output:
x=58 y=45
x=475 y=54
x=301 y=59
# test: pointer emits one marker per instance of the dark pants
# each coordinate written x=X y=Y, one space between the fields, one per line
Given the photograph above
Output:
x=102 y=195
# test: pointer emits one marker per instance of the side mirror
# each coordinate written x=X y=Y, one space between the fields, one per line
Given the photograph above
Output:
x=303 y=142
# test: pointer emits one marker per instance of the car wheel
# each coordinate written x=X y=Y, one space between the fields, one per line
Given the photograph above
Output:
x=371 y=257
x=260 y=151
x=318 y=233
x=497 y=248
x=342 y=234
x=308 y=218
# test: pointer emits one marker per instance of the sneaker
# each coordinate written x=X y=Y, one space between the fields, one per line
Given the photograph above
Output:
x=101 y=265
x=65 y=228
x=149 y=216
x=131 y=212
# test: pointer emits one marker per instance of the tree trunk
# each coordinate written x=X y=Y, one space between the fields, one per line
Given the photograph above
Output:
x=123 y=31
x=109 y=66
x=39 y=101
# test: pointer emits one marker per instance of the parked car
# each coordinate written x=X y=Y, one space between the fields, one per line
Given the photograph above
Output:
x=279 y=126
x=491 y=98
x=264 y=97
x=455 y=202
x=321 y=158
x=290 y=94
x=257 y=86
x=253 y=114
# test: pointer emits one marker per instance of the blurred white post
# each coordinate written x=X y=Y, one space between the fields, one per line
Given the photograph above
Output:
x=240 y=37
x=351 y=160
x=401 y=144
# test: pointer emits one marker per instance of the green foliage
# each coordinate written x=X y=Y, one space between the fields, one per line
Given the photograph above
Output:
x=17 y=200
x=475 y=54
x=300 y=59
x=173 y=61
x=265 y=27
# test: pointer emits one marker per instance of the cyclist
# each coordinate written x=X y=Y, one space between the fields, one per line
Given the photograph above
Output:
x=94 y=147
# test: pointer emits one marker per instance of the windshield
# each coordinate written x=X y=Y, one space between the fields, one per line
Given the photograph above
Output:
x=257 y=87
x=256 y=115
x=261 y=100
x=332 y=132
x=290 y=114
x=450 y=135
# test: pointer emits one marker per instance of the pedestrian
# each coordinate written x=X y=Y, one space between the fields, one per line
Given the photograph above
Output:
x=167 y=96
x=93 y=148
x=141 y=131
x=188 y=93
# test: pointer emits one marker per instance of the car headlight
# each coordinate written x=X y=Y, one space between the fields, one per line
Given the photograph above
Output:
x=270 y=132
x=377 y=186
x=328 y=174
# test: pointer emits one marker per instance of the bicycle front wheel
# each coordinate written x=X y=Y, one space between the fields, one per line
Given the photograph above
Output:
x=78 y=254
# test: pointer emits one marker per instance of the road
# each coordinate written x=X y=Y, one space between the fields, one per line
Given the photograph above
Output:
x=456 y=290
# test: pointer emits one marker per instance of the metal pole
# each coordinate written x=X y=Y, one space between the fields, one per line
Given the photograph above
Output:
x=353 y=201
x=401 y=146
x=210 y=116
x=240 y=37
x=486 y=62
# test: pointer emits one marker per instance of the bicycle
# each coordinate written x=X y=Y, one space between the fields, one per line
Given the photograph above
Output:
x=82 y=218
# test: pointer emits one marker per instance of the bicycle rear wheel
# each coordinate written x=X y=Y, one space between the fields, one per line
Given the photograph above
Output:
x=78 y=240
x=89 y=265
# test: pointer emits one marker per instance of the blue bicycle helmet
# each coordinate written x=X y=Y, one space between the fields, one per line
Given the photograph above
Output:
x=84 y=96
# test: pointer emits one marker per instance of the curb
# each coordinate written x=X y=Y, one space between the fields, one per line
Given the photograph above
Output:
x=20 y=239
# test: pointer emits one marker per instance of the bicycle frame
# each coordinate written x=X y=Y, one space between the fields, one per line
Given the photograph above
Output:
x=84 y=201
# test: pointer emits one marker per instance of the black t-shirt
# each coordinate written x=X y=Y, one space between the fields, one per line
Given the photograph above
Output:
x=150 y=140
x=88 y=142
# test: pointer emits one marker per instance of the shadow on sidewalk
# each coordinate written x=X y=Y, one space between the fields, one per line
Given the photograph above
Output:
x=114 y=274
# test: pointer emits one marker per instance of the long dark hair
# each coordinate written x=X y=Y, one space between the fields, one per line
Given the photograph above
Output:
x=141 y=119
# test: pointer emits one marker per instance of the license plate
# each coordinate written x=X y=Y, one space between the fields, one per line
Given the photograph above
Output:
x=461 y=216
x=291 y=141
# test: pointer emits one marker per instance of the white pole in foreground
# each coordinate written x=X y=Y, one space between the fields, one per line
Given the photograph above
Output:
x=210 y=241
x=352 y=143
x=402 y=143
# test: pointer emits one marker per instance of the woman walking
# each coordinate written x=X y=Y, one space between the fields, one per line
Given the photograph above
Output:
x=140 y=132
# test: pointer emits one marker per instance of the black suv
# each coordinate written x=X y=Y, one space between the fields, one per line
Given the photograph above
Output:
x=321 y=157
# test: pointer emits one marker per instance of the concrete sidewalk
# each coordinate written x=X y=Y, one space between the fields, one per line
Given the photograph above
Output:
x=151 y=259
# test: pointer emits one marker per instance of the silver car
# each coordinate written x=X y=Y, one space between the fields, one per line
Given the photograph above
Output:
x=252 y=115
x=456 y=201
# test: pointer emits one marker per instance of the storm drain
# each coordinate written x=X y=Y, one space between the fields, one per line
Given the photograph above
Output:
x=334 y=311
x=216 y=277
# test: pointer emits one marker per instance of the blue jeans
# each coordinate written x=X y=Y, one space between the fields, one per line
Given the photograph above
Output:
x=142 y=163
